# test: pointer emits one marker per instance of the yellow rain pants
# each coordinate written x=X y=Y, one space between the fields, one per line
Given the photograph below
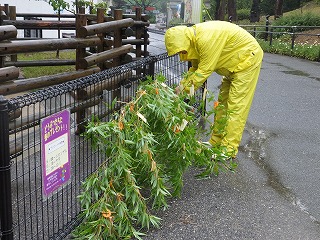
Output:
x=229 y=50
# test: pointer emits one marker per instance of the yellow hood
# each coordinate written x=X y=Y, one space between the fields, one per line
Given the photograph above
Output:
x=179 y=39
x=211 y=46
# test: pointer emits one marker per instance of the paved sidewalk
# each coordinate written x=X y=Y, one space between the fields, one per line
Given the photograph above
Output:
x=233 y=206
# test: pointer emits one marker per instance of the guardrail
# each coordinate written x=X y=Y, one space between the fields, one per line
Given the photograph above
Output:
x=270 y=32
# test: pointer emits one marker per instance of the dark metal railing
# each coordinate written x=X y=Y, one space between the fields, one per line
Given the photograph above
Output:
x=25 y=211
x=269 y=32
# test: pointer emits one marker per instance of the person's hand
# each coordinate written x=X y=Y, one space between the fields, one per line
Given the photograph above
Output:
x=179 y=89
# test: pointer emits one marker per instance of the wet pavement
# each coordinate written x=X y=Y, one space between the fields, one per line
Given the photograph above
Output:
x=274 y=193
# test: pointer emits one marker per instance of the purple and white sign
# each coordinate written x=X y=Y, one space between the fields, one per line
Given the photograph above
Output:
x=55 y=143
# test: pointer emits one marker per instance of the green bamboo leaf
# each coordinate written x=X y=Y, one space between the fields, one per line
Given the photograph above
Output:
x=155 y=221
x=137 y=234
x=148 y=157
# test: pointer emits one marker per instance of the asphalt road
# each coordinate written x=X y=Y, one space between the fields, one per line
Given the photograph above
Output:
x=275 y=192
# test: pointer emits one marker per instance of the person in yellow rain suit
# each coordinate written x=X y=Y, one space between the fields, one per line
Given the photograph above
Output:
x=229 y=50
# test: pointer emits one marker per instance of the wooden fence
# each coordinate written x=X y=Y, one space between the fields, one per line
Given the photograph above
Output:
x=100 y=42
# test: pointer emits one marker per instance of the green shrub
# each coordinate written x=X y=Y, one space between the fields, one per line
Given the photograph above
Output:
x=307 y=19
x=280 y=46
x=152 y=18
x=243 y=14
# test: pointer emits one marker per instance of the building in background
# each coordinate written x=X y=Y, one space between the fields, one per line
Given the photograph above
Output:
x=185 y=11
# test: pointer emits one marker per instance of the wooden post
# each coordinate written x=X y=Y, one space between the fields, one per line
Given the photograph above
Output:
x=3 y=15
x=117 y=35
x=6 y=10
x=59 y=32
x=138 y=32
x=138 y=36
x=81 y=10
x=13 y=16
x=117 y=43
x=146 y=42
x=2 y=59
x=89 y=22
x=81 y=20
x=100 y=19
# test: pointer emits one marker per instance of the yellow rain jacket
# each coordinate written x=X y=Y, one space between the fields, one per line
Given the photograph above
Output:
x=229 y=50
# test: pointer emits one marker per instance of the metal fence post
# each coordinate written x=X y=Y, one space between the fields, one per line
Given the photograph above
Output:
x=5 y=175
x=293 y=37
x=267 y=28
x=270 y=35
x=152 y=67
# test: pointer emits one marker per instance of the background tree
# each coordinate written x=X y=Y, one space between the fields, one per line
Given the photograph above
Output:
x=58 y=6
x=161 y=5
x=120 y=4
x=232 y=10
x=267 y=7
x=220 y=9
x=278 y=9
x=255 y=11
x=243 y=4
x=143 y=4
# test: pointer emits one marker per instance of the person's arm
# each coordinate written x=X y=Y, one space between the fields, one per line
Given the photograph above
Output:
x=196 y=78
x=194 y=66
x=209 y=49
x=183 y=86
x=184 y=83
